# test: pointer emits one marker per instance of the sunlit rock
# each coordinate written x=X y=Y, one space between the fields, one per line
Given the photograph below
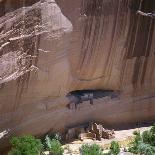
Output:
x=50 y=48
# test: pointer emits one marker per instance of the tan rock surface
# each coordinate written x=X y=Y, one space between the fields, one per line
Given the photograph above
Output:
x=50 y=48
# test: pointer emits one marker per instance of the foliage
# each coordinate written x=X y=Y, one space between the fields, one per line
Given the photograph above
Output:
x=54 y=146
x=25 y=145
x=50 y=136
x=153 y=129
x=133 y=148
x=146 y=149
x=114 y=148
x=56 y=136
x=143 y=143
x=152 y=137
x=91 y=150
x=146 y=135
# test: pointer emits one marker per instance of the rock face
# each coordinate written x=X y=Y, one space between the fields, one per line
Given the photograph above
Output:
x=49 y=48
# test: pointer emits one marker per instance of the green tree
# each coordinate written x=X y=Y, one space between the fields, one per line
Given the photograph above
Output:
x=133 y=148
x=91 y=150
x=114 y=148
x=25 y=145
x=146 y=149
x=54 y=146
x=143 y=143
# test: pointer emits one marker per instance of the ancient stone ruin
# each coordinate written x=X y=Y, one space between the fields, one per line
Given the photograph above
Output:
x=92 y=131
x=100 y=132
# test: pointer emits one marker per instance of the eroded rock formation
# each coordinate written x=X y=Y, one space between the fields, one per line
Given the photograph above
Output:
x=49 y=48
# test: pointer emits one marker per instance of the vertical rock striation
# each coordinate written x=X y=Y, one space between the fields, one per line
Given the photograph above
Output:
x=49 y=48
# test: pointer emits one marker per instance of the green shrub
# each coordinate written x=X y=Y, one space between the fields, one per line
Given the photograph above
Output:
x=152 y=135
x=146 y=149
x=50 y=136
x=54 y=146
x=133 y=148
x=114 y=148
x=91 y=150
x=25 y=145
x=153 y=129
x=146 y=136
x=144 y=143
x=56 y=136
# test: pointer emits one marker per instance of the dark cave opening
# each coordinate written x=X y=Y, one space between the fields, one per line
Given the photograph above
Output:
x=79 y=96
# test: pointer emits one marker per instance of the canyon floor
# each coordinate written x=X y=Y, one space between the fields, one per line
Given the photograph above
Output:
x=124 y=137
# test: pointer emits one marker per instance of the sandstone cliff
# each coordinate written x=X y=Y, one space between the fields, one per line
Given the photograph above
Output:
x=51 y=47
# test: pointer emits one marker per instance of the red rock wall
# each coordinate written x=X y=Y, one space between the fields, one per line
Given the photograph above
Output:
x=49 y=48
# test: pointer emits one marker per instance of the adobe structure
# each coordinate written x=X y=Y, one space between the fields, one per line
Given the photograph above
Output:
x=50 y=48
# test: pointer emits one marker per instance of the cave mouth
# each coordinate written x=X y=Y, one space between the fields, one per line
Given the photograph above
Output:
x=97 y=93
x=79 y=96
